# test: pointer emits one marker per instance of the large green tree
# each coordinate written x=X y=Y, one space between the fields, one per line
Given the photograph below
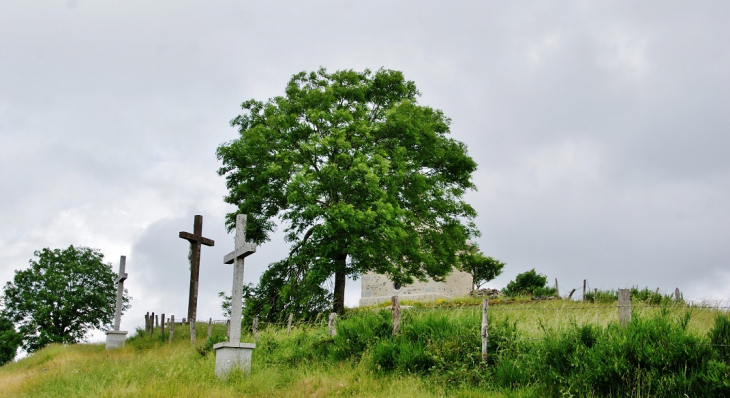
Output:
x=365 y=178
x=61 y=296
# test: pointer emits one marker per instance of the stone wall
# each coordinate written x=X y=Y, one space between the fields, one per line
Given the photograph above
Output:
x=378 y=288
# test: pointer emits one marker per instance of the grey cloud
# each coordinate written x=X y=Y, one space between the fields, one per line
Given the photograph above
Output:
x=599 y=128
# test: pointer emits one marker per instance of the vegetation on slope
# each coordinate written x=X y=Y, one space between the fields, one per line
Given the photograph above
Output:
x=535 y=349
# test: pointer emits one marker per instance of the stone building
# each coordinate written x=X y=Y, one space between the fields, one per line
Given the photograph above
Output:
x=377 y=288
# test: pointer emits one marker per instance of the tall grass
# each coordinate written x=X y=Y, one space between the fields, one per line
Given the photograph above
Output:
x=553 y=348
x=148 y=366
x=543 y=349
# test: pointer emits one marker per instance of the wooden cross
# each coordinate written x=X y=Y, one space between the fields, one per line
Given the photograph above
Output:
x=242 y=250
x=121 y=277
x=195 y=239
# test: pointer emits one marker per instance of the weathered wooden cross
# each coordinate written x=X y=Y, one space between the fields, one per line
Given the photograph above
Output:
x=196 y=239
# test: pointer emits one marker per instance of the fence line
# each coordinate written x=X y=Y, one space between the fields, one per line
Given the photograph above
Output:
x=493 y=307
x=624 y=307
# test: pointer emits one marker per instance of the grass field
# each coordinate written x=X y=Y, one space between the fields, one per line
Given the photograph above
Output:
x=549 y=348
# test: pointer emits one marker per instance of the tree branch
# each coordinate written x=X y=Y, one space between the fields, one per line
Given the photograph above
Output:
x=304 y=240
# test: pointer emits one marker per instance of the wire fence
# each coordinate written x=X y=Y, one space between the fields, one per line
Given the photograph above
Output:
x=495 y=307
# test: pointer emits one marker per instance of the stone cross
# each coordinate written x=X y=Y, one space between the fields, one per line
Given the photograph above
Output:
x=236 y=257
x=196 y=239
x=120 y=292
x=115 y=338
x=234 y=354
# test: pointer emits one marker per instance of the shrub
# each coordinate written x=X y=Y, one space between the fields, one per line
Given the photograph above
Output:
x=652 y=357
x=525 y=283
x=360 y=331
x=720 y=337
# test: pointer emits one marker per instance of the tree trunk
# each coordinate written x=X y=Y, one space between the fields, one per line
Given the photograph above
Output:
x=338 y=304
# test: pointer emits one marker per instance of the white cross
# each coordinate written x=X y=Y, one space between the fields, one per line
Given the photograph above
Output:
x=242 y=250
x=120 y=292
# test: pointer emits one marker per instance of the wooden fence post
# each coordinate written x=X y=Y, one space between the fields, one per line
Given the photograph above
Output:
x=228 y=330
x=193 y=337
x=624 y=307
x=331 y=325
x=146 y=322
x=152 y=323
x=172 y=326
x=676 y=294
x=162 y=325
x=288 y=324
x=157 y=320
x=557 y=288
x=210 y=327
x=395 y=311
x=255 y=328
x=584 y=291
x=485 y=333
x=595 y=295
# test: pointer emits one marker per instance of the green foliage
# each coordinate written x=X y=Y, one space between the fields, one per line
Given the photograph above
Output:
x=525 y=284
x=545 y=291
x=654 y=356
x=10 y=340
x=357 y=333
x=650 y=357
x=645 y=296
x=720 y=336
x=603 y=296
x=285 y=288
x=63 y=295
x=365 y=178
x=282 y=290
x=651 y=297
x=207 y=347
x=659 y=354
x=482 y=268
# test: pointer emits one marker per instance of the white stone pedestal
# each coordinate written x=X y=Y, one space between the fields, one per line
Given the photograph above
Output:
x=229 y=356
x=115 y=339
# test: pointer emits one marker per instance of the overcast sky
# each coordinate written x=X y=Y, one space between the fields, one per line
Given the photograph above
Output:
x=601 y=129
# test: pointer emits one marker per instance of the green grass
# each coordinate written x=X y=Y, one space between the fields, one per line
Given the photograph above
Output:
x=546 y=348
x=150 y=367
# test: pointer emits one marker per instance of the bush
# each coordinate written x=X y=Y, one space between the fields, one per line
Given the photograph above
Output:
x=546 y=291
x=720 y=337
x=357 y=333
x=525 y=283
x=604 y=296
x=652 y=357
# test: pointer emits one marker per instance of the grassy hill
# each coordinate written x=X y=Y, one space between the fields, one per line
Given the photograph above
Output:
x=551 y=348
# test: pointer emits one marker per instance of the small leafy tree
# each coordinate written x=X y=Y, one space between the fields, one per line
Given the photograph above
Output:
x=63 y=295
x=282 y=290
x=10 y=340
x=482 y=268
x=525 y=284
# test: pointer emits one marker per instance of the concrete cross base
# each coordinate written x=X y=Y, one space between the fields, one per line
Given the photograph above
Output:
x=115 y=339
x=229 y=356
